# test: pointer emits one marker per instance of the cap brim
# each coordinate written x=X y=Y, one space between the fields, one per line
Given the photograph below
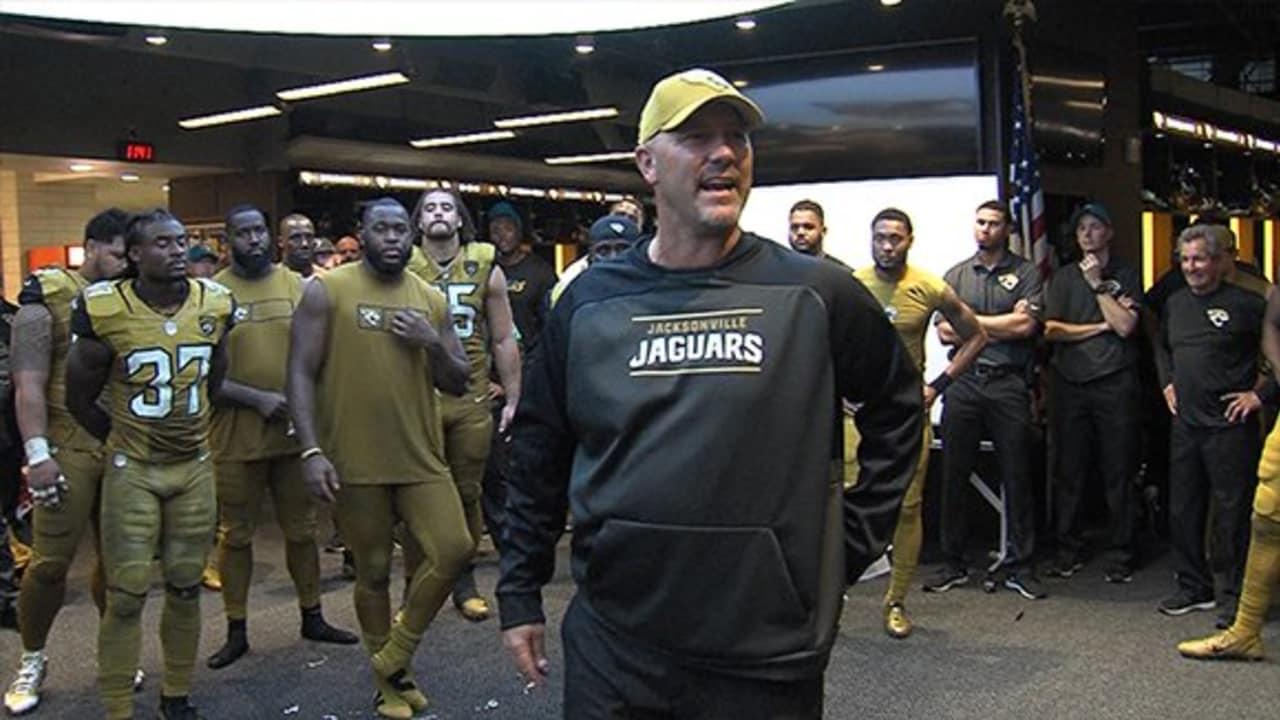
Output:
x=745 y=107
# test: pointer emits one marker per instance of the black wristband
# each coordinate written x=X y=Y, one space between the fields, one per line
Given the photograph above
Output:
x=941 y=383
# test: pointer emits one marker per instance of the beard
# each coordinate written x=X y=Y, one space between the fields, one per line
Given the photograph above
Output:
x=253 y=263
x=388 y=267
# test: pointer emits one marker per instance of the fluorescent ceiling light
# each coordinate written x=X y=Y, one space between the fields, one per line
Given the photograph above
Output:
x=745 y=23
x=584 y=46
x=560 y=117
x=382 y=45
x=378 y=18
x=230 y=116
x=877 y=67
x=130 y=177
x=468 y=138
x=339 y=87
x=157 y=39
x=598 y=157
x=81 y=167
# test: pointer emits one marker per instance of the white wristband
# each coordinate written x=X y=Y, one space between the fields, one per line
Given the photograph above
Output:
x=37 y=449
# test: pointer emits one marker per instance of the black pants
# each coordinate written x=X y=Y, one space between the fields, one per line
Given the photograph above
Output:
x=493 y=488
x=996 y=408
x=1095 y=428
x=607 y=678
x=1220 y=463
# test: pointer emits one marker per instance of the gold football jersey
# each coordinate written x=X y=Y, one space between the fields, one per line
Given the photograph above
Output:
x=257 y=356
x=465 y=283
x=55 y=288
x=158 y=389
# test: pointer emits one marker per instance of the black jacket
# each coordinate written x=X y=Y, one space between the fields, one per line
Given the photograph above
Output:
x=690 y=420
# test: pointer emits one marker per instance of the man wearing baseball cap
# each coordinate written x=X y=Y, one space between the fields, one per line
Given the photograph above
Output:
x=609 y=237
x=1091 y=318
x=712 y=537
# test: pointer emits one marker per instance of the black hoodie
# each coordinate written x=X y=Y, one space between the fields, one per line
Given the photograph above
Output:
x=690 y=420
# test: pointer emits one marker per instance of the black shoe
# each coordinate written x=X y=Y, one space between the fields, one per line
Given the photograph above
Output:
x=946 y=578
x=177 y=708
x=1226 y=616
x=233 y=649
x=1119 y=574
x=1184 y=601
x=316 y=629
x=1026 y=584
x=1065 y=566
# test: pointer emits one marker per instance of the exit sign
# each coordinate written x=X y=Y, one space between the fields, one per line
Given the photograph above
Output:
x=136 y=151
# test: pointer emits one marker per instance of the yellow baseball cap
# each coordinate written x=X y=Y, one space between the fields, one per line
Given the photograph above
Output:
x=678 y=96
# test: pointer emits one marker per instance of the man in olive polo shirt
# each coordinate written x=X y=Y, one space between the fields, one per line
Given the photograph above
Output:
x=1091 y=316
x=991 y=400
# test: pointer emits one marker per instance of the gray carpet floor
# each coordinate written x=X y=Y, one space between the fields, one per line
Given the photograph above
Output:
x=1092 y=650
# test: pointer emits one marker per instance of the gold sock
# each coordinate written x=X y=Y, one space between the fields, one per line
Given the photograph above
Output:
x=397 y=653
x=907 y=539
x=179 y=639
x=1261 y=573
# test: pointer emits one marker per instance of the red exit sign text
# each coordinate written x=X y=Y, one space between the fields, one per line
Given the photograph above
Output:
x=135 y=151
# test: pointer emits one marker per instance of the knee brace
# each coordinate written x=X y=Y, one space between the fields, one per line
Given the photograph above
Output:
x=188 y=592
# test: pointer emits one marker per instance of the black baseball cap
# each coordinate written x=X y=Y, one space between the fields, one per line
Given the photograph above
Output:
x=614 y=227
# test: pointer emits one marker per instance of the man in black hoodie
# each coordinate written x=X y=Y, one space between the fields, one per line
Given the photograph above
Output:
x=685 y=404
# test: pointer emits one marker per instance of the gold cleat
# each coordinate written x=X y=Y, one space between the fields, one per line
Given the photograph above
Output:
x=1226 y=645
x=211 y=579
x=896 y=623
x=388 y=703
x=475 y=609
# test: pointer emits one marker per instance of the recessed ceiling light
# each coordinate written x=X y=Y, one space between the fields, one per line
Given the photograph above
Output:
x=890 y=3
x=584 y=45
x=230 y=116
x=560 y=117
x=81 y=167
x=877 y=67
x=164 y=187
x=740 y=83
x=466 y=139
x=745 y=23
x=597 y=157
x=382 y=45
x=339 y=87
x=130 y=177
x=157 y=39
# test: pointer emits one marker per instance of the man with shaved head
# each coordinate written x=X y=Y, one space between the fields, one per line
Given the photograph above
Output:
x=298 y=244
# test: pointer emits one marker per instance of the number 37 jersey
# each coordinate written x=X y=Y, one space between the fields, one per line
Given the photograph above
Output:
x=158 y=390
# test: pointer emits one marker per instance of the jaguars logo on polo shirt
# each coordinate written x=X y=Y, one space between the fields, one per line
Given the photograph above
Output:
x=1008 y=281
x=1218 y=316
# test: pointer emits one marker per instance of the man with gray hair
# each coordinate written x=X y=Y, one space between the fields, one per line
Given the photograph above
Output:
x=1207 y=358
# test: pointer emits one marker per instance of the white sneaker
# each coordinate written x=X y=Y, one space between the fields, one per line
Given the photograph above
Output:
x=24 y=694
x=138 y=678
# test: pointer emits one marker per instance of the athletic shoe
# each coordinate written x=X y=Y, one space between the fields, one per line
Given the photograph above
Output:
x=1026 y=584
x=1065 y=566
x=177 y=708
x=896 y=623
x=946 y=578
x=1119 y=574
x=475 y=609
x=1223 y=646
x=24 y=694
x=1184 y=601
x=139 y=677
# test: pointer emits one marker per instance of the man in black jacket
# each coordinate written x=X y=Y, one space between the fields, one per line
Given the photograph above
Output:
x=685 y=403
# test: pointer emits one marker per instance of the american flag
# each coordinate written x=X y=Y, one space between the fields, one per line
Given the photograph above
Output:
x=1032 y=241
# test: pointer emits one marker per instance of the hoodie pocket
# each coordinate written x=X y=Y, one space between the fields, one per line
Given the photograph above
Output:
x=720 y=593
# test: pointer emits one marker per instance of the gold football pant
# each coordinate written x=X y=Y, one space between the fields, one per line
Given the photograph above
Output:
x=468 y=430
x=57 y=535
x=909 y=535
x=432 y=517
x=241 y=487
x=1262 y=569
x=149 y=509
